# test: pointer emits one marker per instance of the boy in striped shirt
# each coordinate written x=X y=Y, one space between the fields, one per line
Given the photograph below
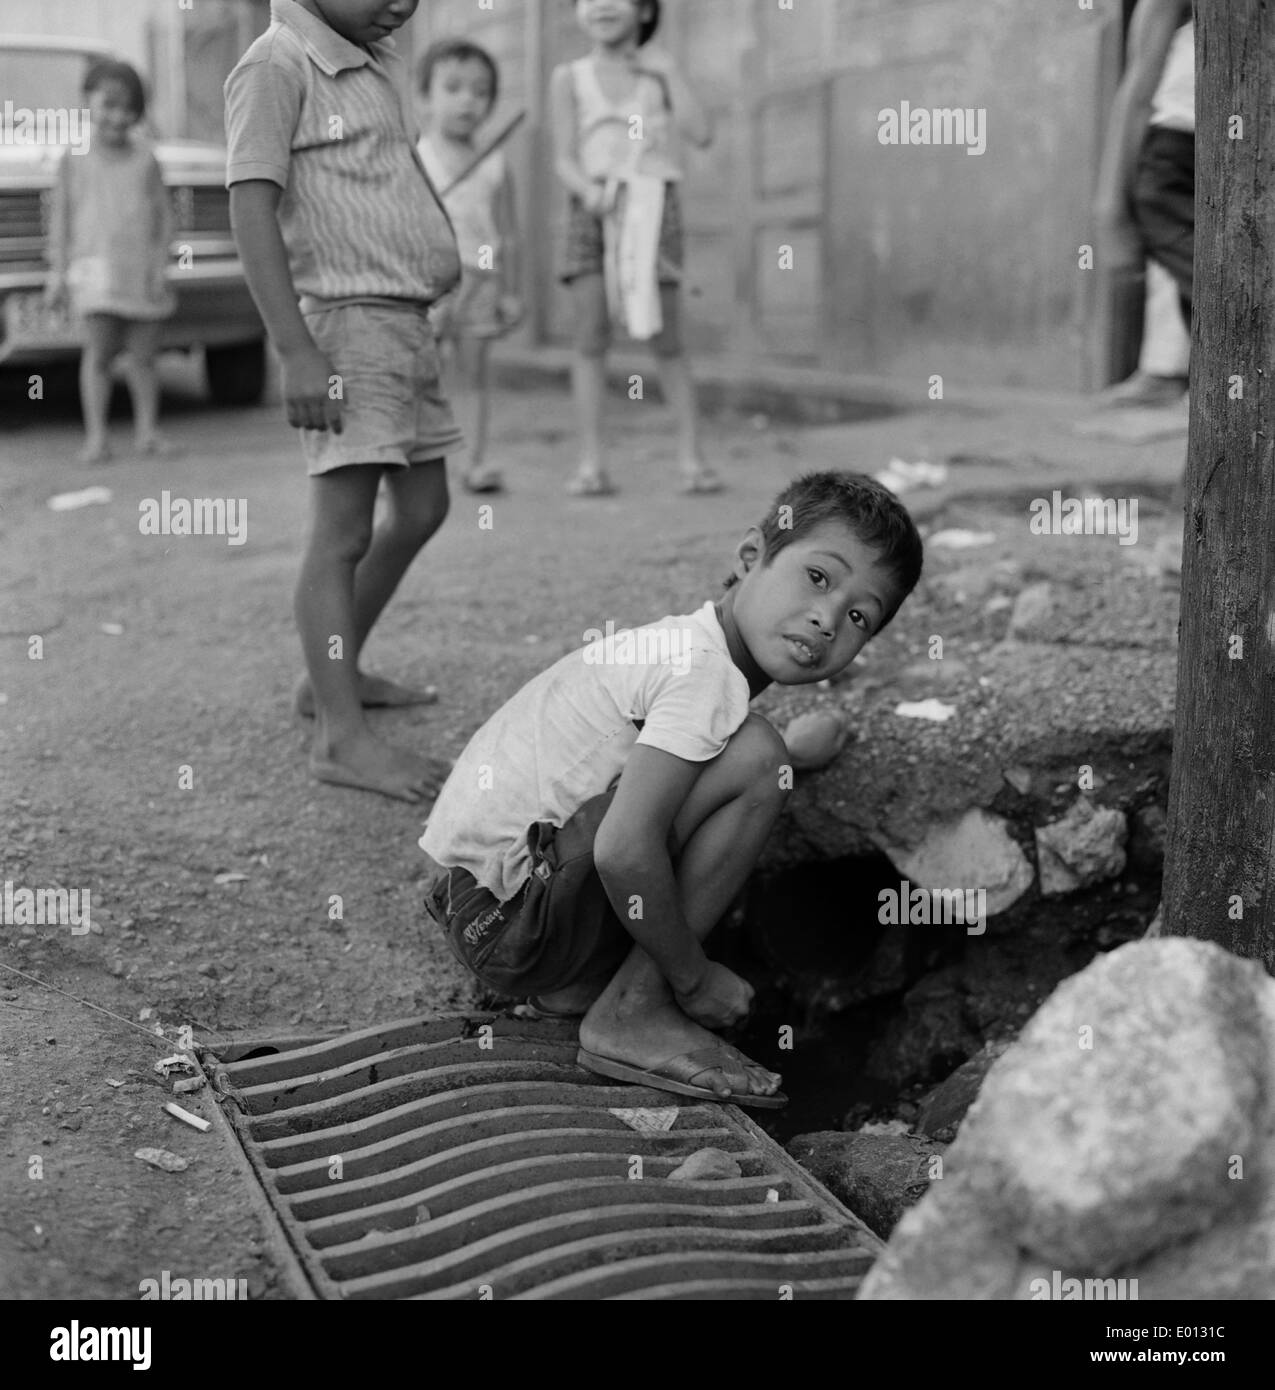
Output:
x=345 y=245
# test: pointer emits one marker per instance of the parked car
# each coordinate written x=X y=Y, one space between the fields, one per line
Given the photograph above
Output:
x=215 y=311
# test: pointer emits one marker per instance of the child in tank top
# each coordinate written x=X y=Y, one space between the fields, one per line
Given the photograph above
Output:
x=619 y=116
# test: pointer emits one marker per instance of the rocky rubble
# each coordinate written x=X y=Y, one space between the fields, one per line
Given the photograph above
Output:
x=1129 y=1133
x=1058 y=662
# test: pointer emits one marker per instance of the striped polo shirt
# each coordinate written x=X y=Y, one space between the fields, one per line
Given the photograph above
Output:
x=322 y=118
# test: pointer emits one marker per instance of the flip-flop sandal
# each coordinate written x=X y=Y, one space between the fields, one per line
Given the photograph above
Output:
x=702 y=480
x=534 y=1009
x=591 y=485
x=489 y=480
x=676 y=1074
x=159 y=448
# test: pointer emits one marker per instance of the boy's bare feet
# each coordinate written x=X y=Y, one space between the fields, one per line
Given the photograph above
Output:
x=364 y=762
x=375 y=692
x=664 y=1032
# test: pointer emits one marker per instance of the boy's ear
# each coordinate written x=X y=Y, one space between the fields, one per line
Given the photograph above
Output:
x=748 y=552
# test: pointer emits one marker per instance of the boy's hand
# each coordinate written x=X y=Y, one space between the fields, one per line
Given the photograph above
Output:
x=598 y=200
x=510 y=309
x=307 y=380
x=719 y=1000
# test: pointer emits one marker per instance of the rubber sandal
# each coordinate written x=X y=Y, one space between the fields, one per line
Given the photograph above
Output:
x=487 y=480
x=591 y=485
x=702 y=480
x=675 y=1075
x=533 y=1008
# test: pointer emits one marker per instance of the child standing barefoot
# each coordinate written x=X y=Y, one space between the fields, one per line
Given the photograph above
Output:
x=459 y=81
x=617 y=117
x=345 y=248
x=110 y=232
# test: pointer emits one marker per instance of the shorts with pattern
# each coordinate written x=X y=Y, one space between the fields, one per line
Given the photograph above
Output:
x=557 y=929
x=395 y=412
x=582 y=252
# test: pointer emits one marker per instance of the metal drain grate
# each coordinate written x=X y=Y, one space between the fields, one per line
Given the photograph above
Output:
x=469 y=1157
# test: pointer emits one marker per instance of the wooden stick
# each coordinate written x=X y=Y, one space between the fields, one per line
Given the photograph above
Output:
x=491 y=149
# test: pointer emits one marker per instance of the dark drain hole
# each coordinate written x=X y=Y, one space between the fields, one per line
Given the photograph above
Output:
x=864 y=1018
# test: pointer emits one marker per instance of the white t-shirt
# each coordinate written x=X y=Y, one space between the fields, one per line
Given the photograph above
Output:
x=566 y=735
x=1173 y=103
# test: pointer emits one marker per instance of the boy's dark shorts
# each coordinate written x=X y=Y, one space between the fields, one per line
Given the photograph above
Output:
x=558 y=929
x=1164 y=205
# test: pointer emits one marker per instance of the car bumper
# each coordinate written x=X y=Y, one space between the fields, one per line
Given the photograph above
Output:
x=214 y=309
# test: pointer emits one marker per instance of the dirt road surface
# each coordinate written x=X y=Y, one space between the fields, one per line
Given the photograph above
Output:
x=149 y=756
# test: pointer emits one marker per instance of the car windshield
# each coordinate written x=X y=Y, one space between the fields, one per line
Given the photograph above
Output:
x=34 y=78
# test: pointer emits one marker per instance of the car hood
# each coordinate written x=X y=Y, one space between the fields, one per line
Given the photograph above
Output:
x=183 y=161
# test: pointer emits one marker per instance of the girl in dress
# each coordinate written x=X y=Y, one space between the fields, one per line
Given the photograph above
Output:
x=110 y=230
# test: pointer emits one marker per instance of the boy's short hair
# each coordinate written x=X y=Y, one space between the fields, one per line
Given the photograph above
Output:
x=103 y=70
x=859 y=502
x=456 y=51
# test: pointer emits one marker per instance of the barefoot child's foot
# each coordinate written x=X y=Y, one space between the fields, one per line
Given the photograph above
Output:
x=367 y=764
x=668 y=1051
x=375 y=692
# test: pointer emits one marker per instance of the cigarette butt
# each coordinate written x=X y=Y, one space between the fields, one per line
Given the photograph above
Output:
x=184 y=1115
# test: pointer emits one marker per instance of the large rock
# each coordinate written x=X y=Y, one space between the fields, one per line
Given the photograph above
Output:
x=1084 y=847
x=974 y=851
x=878 y=1176
x=1128 y=1129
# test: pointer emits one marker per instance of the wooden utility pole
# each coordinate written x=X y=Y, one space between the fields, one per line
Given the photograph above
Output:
x=1220 y=851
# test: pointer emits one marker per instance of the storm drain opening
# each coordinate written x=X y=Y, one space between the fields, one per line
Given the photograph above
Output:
x=469 y=1157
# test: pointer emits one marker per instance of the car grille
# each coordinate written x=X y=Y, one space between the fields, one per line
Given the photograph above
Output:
x=201 y=216
x=21 y=226
x=201 y=209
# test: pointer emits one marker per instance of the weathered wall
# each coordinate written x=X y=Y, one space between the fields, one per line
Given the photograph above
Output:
x=183 y=53
x=905 y=260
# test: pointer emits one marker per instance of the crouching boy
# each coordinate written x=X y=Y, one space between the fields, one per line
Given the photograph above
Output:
x=598 y=826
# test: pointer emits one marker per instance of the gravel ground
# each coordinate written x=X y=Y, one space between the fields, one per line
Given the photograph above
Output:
x=169 y=661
